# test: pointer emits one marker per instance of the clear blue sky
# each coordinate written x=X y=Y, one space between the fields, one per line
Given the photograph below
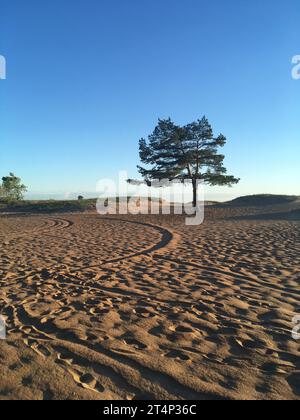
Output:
x=87 y=78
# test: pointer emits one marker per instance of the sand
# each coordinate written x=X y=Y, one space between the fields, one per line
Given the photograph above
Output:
x=144 y=307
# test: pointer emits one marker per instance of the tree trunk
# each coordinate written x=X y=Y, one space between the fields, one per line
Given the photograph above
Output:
x=195 y=193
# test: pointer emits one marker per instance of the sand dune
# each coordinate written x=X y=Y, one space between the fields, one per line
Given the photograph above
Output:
x=142 y=307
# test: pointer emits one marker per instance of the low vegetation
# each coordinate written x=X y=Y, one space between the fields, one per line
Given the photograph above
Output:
x=53 y=206
x=262 y=200
x=47 y=206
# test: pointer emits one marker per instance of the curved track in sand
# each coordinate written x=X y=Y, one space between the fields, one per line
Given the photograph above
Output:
x=168 y=239
x=134 y=313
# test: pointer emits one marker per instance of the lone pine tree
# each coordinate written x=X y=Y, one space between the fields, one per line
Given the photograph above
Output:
x=184 y=153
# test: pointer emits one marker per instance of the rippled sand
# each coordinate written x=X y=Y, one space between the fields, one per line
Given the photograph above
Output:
x=144 y=307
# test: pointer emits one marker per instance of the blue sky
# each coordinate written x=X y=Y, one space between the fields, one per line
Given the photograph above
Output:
x=87 y=79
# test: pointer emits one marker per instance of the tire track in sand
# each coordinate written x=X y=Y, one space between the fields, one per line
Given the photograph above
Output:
x=169 y=239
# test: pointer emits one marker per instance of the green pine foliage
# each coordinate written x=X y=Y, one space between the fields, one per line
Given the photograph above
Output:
x=184 y=153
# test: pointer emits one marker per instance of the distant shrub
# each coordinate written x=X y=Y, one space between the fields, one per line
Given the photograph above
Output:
x=12 y=188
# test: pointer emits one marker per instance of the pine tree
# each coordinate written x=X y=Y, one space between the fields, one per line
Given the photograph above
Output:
x=184 y=153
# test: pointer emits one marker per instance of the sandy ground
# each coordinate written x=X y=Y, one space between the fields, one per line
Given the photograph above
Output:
x=144 y=307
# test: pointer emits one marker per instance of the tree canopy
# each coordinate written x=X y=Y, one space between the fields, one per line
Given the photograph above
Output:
x=184 y=153
x=12 y=188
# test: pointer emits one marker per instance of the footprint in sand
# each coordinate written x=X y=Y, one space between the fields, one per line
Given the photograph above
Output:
x=61 y=359
x=178 y=355
x=144 y=312
x=135 y=343
x=181 y=329
x=87 y=381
